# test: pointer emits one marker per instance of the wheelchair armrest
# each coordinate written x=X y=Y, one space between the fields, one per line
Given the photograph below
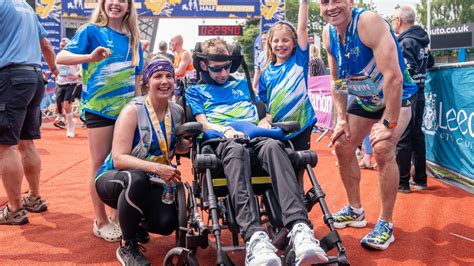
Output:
x=189 y=129
x=288 y=126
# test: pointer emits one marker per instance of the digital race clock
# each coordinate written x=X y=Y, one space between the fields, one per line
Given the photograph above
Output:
x=216 y=30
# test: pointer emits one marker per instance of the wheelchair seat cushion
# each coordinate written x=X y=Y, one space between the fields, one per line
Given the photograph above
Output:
x=260 y=180
x=249 y=129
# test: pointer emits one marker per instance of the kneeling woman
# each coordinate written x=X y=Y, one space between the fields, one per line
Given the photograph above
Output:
x=123 y=182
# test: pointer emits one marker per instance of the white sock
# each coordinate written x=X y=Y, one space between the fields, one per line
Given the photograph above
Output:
x=71 y=124
x=69 y=118
x=390 y=224
x=357 y=210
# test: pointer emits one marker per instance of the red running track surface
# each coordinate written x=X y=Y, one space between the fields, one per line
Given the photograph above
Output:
x=429 y=225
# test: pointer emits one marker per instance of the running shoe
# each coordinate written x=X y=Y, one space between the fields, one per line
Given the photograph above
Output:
x=260 y=251
x=59 y=123
x=306 y=247
x=13 y=218
x=36 y=205
x=380 y=237
x=403 y=189
x=347 y=217
x=416 y=186
x=132 y=254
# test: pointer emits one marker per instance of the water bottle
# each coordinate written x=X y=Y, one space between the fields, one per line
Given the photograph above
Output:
x=169 y=190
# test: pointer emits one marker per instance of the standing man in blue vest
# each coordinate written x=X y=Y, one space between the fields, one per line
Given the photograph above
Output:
x=366 y=61
x=21 y=91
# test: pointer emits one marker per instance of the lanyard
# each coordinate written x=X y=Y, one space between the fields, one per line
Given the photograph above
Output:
x=345 y=51
x=163 y=141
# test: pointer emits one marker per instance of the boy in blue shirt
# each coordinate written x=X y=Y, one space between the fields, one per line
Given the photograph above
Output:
x=217 y=103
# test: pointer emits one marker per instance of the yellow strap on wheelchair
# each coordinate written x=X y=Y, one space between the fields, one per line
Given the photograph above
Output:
x=256 y=180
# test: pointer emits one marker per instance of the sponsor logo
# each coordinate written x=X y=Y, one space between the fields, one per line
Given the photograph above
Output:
x=429 y=117
x=451 y=125
x=450 y=30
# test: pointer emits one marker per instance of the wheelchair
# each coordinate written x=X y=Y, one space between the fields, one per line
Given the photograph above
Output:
x=207 y=194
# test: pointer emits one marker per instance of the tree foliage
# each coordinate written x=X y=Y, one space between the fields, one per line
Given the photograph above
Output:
x=369 y=6
x=316 y=22
x=247 y=39
x=446 y=12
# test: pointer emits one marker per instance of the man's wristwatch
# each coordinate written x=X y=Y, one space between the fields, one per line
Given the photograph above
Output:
x=389 y=124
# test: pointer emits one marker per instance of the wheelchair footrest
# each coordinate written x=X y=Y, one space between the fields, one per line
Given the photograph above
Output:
x=288 y=259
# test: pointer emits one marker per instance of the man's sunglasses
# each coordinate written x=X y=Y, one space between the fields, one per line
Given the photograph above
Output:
x=217 y=69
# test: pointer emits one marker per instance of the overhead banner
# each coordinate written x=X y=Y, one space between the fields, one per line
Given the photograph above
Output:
x=272 y=11
x=448 y=122
x=49 y=15
x=175 y=8
x=319 y=92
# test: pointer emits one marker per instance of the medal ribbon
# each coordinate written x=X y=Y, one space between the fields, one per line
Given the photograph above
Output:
x=163 y=141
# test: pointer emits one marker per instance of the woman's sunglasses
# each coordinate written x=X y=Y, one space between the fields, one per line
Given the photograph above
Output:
x=217 y=69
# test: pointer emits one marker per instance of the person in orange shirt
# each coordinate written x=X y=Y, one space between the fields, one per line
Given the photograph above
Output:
x=183 y=61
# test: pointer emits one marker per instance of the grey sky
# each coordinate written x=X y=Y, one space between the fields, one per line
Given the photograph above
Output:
x=386 y=7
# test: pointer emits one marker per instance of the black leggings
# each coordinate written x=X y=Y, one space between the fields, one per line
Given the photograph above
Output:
x=137 y=202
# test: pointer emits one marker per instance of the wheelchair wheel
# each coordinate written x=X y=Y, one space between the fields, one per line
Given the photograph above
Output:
x=180 y=256
x=182 y=216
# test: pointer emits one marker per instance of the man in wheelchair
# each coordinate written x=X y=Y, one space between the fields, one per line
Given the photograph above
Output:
x=217 y=101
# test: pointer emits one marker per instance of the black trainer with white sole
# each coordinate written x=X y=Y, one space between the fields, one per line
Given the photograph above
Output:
x=131 y=254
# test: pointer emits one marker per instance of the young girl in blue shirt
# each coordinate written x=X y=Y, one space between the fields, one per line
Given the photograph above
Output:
x=110 y=53
x=283 y=84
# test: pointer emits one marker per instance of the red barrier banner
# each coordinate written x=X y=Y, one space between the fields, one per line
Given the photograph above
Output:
x=319 y=91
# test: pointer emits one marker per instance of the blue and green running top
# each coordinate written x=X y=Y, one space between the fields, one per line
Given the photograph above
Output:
x=154 y=153
x=357 y=71
x=223 y=104
x=109 y=84
x=284 y=88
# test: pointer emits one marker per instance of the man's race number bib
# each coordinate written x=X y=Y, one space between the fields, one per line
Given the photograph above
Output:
x=361 y=86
